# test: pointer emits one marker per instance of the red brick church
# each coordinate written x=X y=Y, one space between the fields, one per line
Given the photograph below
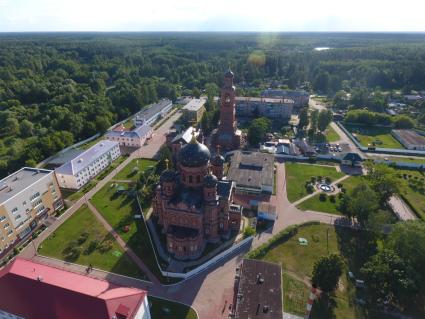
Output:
x=193 y=205
x=228 y=136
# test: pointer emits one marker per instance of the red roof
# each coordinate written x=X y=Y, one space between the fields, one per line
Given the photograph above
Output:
x=33 y=290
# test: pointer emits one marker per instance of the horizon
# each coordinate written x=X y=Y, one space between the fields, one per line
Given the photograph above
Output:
x=363 y=16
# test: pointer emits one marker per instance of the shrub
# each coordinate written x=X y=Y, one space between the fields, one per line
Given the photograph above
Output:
x=340 y=195
x=91 y=247
x=105 y=246
x=72 y=253
x=248 y=231
x=322 y=197
x=310 y=188
x=332 y=198
x=328 y=180
x=343 y=190
x=82 y=238
x=339 y=185
x=313 y=179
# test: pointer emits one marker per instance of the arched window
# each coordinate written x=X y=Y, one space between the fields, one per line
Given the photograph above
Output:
x=198 y=179
x=190 y=179
x=184 y=177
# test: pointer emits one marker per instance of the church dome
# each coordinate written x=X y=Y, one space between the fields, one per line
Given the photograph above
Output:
x=194 y=154
x=229 y=74
x=168 y=176
x=210 y=180
x=217 y=160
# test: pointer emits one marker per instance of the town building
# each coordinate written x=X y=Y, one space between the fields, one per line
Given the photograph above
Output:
x=193 y=110
x=268 y=107
x=253 y=172
x=305 y=148
x=176 y=140
x=258 y=291
x=26 y=198
x=153 y=112
x=193 y=205
x=352 y=159
x=228 y=136
x=30 y=290
x=410 y=139
x=266 y=211
x=81 y=169
x=131 y=138
x=300 y=98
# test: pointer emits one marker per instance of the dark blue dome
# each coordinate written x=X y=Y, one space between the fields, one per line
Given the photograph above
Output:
x=168 y=176
x=218 y=160
x=229 y=74
x=194 y=154
x=210 y=180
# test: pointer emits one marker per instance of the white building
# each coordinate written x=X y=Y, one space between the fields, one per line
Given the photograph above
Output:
x=152 y=112
x=410 y=139
x=26 y=197
x=268 y=107
x=80 y=170
x=130 y=138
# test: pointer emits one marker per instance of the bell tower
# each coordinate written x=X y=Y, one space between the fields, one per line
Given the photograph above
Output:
x=227 y=135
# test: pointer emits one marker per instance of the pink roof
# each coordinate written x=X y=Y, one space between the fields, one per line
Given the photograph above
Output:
x=33 y=290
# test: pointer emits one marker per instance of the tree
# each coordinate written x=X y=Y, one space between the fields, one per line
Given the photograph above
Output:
x=383 y=181
x=12 y=126
x=389 y=278
x=196 y=93
x=26 y=128
x=363 y=202
x=314 y=116
x=164 y=155
x=102 y=124
x=304 y=121
x=403 y=122
x=257 y=130
x=326 y=272
x=324 y=119
x=408 y=241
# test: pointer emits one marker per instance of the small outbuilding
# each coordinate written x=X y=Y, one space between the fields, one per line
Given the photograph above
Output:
x=352 y=159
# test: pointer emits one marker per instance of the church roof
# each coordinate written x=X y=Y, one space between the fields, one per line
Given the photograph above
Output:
x=194 y=154
x=210 y=180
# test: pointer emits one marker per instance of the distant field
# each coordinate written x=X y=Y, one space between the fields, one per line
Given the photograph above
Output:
x=413 y=190
x=380 y=136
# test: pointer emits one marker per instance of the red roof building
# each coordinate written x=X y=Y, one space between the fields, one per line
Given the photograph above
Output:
x=32 y=290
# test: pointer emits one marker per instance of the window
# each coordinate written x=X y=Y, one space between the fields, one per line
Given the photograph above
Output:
x=6 y=226
x=190 y=179
x=17 y=217
x=14 y=210
x=198 y=179
x=2 y=218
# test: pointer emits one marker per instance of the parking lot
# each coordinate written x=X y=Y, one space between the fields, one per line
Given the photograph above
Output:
x=332 y=149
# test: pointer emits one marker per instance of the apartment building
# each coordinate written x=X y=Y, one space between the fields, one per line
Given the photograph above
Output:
x=133 y=138
x=193 y=110
x=80 y=170
x=268 y=107
x=26 y=197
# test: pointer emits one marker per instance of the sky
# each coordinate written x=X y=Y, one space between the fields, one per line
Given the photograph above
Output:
x=212 y=15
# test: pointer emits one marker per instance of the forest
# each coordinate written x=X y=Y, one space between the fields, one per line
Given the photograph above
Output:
x=59 y=88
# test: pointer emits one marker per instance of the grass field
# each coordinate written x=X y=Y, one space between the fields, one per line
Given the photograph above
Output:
x=164 y=309
x=381 y=136
x=83 y=220
x=134 y=168
x=299 y=261
x=298 y=174
x=119 y=211
x=331 y=135
x=400 y=159
x=315 y=204
x=411 y=189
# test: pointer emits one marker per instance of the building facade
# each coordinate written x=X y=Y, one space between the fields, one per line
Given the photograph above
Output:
x=26 y=198
x=300 y=98
x=193 y=111
x=192 y=206
x=228 y=136
x=153 y=112
x=80 y=170
x=268 y=107
x=134 y=138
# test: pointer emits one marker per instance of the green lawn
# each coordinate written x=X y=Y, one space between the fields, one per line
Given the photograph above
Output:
x=411 y=189
x=295 y=295
x=401 y=159
x=298 y=174
x=119 y=210
x=381 y=136
x=83 y=220
x=315 y=204
x=164 y=309
x=331 y=135
x=299 y=260
x=134 y=168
